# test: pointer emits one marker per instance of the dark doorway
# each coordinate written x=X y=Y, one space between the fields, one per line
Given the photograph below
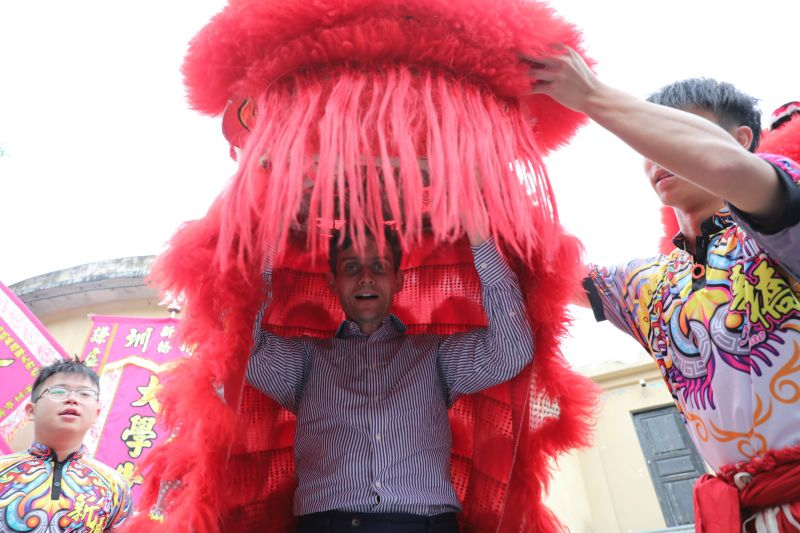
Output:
x=672 y=460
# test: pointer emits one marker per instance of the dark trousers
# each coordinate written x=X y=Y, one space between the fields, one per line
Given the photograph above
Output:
x=342 y=522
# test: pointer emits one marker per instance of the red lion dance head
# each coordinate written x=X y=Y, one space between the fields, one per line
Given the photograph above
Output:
x=358 y=113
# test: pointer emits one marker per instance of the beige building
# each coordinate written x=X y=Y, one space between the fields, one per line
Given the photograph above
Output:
x=639 y=473
x=636 y=478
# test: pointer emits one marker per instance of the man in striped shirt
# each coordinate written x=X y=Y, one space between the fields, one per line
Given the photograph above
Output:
x=372 y=442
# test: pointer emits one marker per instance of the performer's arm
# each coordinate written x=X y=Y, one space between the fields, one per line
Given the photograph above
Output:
x=623 y=295
x=479 y=359
x=683 y=143
x=277 y=365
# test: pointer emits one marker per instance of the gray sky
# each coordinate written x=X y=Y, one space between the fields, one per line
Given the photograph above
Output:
x=101 y=158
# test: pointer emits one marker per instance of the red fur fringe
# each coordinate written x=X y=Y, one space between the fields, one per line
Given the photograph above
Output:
x=313 y=157
x=339 y=84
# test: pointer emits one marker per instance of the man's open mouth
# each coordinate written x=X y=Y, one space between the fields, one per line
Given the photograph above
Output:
x=366 y=296
x=71 y=412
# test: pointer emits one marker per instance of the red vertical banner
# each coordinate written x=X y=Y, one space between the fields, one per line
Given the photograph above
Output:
x=25 y=347
x=129 y=354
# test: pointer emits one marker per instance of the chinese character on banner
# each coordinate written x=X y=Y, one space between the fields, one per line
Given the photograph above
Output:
x=25 y=347
x=129 y=354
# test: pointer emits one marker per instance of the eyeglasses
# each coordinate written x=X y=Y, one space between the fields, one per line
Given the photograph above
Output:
x=62 y=393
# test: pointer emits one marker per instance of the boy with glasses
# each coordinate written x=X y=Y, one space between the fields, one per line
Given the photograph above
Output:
x=54 y=486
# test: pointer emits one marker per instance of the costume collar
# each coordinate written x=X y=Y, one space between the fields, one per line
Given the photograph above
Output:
x=391 y=326
x=40 y=450
x=717 y=222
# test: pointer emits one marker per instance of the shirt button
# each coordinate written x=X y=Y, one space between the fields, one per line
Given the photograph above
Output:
x=484 y=265
x=512 y=314
x=355 y=522
x=57 y=483
x=376 y=399
x=378 y=436
x=378 y=484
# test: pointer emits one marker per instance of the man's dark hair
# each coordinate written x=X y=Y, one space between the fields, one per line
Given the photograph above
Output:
x=391 y=240
x=732 y=107
x=63 y=367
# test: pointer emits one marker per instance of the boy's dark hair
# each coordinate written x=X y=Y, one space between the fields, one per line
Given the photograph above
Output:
x=73 y=366
x=391 y=241
x=732 y=107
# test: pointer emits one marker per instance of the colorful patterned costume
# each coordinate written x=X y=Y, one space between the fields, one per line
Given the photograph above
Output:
x=724 y=328
x=360 y=113
x=77 y=495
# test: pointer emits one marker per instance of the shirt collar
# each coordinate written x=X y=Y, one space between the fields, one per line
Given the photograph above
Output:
x=717 y=222
x=391 y=326
x=40 y=450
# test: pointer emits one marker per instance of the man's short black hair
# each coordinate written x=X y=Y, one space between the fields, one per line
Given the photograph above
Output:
x=732 y=107
x=73 y=366
x=390 y=236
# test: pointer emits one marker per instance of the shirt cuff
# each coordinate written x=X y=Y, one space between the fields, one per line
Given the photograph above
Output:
x=594 y=299
x=788 y=216
x=491 y=266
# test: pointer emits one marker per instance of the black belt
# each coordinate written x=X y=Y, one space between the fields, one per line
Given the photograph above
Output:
x=340 y=521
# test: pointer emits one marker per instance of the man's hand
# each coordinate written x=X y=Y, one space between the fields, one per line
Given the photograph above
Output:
x=476 y=225
x=565 y=77
x=478 y=235
x=686 y=145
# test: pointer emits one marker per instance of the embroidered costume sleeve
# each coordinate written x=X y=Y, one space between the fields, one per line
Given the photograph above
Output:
x=124 y=502
x=481 y=358
x=623 y=295
x=780 y=237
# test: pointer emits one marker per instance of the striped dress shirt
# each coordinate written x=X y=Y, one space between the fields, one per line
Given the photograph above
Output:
x=372 y=432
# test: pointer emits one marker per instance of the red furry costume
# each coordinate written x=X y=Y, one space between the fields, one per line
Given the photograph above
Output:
x=318 y=91
x=783 y=137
